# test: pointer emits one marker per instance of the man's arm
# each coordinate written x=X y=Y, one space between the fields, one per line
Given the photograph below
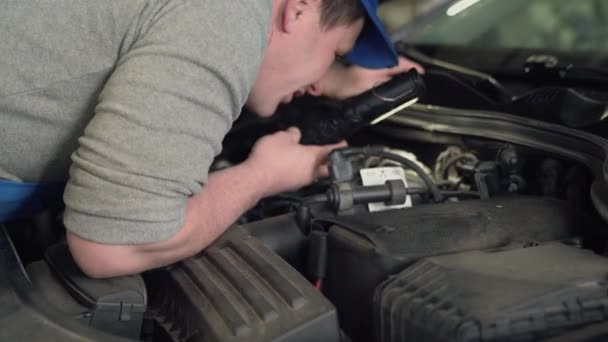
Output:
x=277 y=163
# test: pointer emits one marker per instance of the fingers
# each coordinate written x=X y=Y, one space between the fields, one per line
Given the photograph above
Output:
x=295 y=165
x=323 y=151
x=418 y=68
x=294 y=134
x=332 y=147
x=323 y=171
x=409 y=64
x=405 y=65
x=382 y=80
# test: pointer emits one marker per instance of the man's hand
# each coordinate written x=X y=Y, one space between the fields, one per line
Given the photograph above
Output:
x=282 y=164
x=342 y=82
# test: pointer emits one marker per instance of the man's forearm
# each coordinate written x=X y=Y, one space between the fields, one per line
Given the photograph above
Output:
x=226 y=196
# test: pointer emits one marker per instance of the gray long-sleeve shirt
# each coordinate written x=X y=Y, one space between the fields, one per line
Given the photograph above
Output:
x=131 y=97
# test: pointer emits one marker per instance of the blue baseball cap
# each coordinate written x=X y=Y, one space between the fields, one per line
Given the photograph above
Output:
x=373 y=48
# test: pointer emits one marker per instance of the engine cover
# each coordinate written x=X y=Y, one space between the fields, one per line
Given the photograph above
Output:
x=239 y=290
x=365 y=249
x=525 y=294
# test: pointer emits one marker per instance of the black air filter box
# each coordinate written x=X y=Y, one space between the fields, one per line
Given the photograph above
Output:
x=239 y=290
x=364 y=249
x=524 y=294
x=114 y=305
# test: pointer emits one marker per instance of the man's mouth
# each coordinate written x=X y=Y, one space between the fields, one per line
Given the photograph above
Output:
x=287 y=98
x=298 y=93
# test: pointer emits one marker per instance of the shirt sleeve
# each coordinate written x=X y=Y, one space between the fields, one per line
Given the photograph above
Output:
x=161 y=118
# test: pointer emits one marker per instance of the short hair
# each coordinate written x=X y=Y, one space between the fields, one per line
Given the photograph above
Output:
x=340 y=12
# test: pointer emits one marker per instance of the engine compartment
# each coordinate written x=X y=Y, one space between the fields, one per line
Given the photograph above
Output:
x=497 y=196
x=355 y=269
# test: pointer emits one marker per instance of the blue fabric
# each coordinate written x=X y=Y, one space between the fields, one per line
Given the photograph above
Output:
x=21 y=200
x=373 y=48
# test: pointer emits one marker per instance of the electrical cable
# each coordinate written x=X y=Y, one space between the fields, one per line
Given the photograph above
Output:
x=379 y=152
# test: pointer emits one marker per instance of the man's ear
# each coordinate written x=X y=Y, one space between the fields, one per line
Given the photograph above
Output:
x=292 y=12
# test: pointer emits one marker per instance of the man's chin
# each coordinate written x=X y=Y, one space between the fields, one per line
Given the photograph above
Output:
x=263 y=110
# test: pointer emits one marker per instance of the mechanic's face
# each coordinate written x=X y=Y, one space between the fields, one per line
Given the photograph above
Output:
x=299 y=53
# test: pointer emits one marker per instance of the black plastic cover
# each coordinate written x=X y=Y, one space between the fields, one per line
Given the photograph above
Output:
x=281 y=235
x=364 y=249
x=239 y=290
x=523 y=294
x=114 y=305
x=26 y=314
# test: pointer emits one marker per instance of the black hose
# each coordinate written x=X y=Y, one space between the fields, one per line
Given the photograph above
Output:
x=412 y=165
x=320 y=198
x=303 y=215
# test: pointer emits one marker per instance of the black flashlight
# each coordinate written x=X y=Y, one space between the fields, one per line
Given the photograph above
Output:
x=326 y=121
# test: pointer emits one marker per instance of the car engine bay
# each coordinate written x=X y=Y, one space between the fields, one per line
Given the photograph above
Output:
x=435 y=224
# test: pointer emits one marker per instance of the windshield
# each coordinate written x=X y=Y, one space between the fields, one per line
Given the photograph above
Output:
x=542 y=59
x=574 y=26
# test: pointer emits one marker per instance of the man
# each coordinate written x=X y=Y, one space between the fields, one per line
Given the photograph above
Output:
x=134 y=98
